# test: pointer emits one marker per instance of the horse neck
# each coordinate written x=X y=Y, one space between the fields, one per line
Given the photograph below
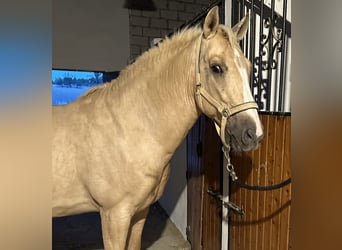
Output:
x=166 y=97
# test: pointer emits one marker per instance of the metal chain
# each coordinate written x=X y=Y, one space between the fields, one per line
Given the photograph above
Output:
x=229 y=165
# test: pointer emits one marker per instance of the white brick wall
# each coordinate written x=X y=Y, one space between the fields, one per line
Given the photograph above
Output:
x=170 y=14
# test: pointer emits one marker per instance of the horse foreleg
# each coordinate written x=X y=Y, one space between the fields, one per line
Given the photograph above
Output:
x=134 y=237
x=115 y=228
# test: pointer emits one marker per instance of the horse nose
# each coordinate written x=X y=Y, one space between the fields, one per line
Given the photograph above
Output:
x=249 y=137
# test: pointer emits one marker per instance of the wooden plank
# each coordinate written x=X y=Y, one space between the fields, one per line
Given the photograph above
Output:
x=266 y=222
x=262 y=172
x=194 y=187
x=286 y=192
x=272 y=129
x=252 y=210
x=254 y=200
x=212 y=162
x=277 y=177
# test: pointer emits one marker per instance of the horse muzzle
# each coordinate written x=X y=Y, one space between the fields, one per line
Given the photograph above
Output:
x=243 y=132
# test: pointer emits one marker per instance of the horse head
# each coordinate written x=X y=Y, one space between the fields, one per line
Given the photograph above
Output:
x=223 y=91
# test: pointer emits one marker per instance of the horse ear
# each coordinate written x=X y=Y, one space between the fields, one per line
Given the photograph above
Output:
x=241 y=27
x=211 y=22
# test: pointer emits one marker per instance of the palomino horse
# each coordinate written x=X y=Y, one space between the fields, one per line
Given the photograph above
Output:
x=112 y=147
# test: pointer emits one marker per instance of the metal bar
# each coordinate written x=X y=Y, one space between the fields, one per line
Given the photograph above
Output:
x=252 y=45
x=270 y=56
x=242 y=5
x=260 y=50
x=246 y=48
x=282 y=63
x=277 y=82
x=221 y=11
x=267 y=12
x=279 y=113
x=234 y=17
x=242 y=11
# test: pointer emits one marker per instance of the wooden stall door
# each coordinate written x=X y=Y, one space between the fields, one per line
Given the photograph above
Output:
x=265 y=225
x=203 y=173
x=212 y=168
x=194 y=185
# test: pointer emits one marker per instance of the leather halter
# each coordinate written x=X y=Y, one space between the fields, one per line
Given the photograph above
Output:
x=225 y=110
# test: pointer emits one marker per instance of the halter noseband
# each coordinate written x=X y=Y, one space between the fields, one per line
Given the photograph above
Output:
x=225 y=111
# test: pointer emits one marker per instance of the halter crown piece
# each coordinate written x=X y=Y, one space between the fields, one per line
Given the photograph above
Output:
x=225 y=111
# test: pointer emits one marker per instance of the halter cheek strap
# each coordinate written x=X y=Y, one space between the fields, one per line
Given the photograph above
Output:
x=225 y=111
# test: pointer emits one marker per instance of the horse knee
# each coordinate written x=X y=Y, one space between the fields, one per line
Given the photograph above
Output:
x=115 y=229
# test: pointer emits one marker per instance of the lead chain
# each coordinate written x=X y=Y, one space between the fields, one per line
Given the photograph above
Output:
x=229 y=166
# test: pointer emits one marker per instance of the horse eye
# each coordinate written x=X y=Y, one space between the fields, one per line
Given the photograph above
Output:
x=216 y=69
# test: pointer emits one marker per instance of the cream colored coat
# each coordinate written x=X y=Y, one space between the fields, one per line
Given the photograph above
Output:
x=112 y=147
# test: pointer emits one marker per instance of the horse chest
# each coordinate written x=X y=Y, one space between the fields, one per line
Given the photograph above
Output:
x=154 y=188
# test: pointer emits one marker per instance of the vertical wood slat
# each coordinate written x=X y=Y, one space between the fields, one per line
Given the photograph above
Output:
x=286 y=192
x=265 y=225
x=212 y=180
x=194 y=186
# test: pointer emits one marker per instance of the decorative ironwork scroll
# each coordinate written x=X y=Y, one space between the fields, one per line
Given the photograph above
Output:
x=267 y=50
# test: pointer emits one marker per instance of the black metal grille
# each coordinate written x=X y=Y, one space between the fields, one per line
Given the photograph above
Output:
x=266 y=45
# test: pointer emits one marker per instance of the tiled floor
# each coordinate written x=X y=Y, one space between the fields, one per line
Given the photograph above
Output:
x=83 y=232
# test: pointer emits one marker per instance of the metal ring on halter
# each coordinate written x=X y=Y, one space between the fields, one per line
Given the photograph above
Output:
x=225 y=113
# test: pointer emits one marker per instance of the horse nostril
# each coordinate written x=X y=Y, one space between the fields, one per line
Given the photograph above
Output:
x=248 y=136
x=260 y=138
